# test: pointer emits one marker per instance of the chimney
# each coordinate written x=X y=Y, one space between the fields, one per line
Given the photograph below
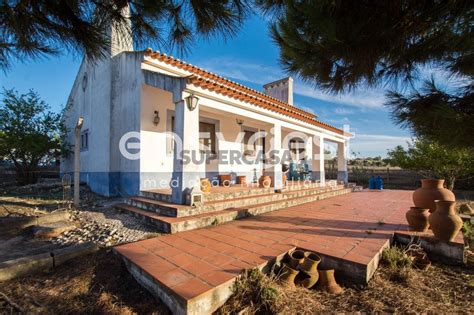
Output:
x=281 y=90
x=121 y=34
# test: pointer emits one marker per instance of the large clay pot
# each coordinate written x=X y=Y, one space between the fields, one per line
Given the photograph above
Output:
x=265 y=181
x=287 y=276
x=327 y=282
x=444 y=222
x=296 y=258
x=431 y=190
x=418 y=219
x=310 y=263
x=205 y=185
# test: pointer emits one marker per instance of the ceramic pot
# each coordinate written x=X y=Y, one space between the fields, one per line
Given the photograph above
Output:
x=431 y=190
x=287 y=275
x=444 y=222
x=296 y=258
x=225 y=180
x=242 y=180
x=327 y=282
x=265 y=181
x=307 y=280
x=418 y=219
x=310 y=263
x=205 y=185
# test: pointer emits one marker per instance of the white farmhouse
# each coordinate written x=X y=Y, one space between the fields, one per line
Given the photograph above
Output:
x=133 y=101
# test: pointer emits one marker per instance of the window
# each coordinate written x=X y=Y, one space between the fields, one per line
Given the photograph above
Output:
x=207 y=138
x=250 y=145
x=85 y=140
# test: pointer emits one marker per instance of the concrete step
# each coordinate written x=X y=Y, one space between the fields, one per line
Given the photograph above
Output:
x=168 y=224
x=173 y=210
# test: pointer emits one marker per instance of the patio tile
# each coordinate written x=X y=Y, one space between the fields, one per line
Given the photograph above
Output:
x=198 y=267
x=194 y=262
x=216 y=277
x=174 y=277
x=191 y=288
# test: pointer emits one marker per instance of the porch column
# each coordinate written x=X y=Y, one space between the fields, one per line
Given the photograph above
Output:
x=186 y=172
x=309 y=153
x=275 y=171
x=342 y=175
x=318 y=161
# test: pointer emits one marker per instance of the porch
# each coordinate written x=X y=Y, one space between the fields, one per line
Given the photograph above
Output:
x=220 y=139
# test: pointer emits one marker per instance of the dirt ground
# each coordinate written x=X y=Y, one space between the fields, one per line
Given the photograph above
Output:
x=439 y=290
x=94 y=284
x=100 y=284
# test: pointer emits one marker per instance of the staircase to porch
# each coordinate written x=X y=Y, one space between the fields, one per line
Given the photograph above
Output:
x=222 y=206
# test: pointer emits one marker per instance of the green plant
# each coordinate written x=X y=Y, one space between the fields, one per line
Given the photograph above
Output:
x=254 y=292
x=468 y=230
x=342 y=45
x=434 y=160
x=30 y=134
x=396 y=257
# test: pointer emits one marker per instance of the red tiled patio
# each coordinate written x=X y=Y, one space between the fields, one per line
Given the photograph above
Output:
x=194 y=269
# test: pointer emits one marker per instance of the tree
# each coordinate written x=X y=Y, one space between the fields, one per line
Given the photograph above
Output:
x=42 y=27
x=434 y=160
x=30 y=134
x=342 y=45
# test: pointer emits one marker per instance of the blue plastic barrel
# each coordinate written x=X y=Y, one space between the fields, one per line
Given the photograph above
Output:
x=372 y=183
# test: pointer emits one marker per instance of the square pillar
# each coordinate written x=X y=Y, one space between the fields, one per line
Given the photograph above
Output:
x=186 y=169
x=309 y=153
x=275 y=168
x=342 y=175
x=318 y=161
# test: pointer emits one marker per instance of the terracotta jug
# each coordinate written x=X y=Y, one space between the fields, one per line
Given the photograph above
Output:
x=306 y=280
x=327 y=282
x=310 y=263
x=418 y=219
x=264 y=181
x=205 y=185
x=431 y=190
x=296 y=258
x=444 y=222
x=287 y=276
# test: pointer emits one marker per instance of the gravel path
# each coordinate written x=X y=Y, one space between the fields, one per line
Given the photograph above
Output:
x=106 y=227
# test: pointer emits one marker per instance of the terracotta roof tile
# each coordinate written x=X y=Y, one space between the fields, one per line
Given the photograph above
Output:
x=213 y=82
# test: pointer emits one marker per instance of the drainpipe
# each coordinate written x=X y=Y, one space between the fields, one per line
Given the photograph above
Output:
x=77 y=160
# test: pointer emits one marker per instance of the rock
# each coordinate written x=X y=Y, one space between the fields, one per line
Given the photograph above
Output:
x=50 y=230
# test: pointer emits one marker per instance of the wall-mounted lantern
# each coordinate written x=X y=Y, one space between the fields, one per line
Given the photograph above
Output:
x=191 y=102
x=156 y=118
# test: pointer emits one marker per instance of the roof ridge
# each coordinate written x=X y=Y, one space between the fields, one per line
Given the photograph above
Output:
x=151 y=53
x=306 y=116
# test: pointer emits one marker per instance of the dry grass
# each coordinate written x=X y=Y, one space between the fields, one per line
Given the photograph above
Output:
x=441 y=289
x=95 y=284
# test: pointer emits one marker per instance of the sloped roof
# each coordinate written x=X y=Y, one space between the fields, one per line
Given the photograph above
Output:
x=218 y=84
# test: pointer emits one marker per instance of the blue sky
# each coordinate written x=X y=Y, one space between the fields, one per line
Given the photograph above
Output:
x=250 y=58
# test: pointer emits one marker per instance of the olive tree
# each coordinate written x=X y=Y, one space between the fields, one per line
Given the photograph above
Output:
x=30 y=134
x=434 y=160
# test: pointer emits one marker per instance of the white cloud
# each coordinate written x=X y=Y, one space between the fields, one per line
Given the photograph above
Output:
x=261 y=74
x=368 y=98
x=343 y=111
x=370 y=145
